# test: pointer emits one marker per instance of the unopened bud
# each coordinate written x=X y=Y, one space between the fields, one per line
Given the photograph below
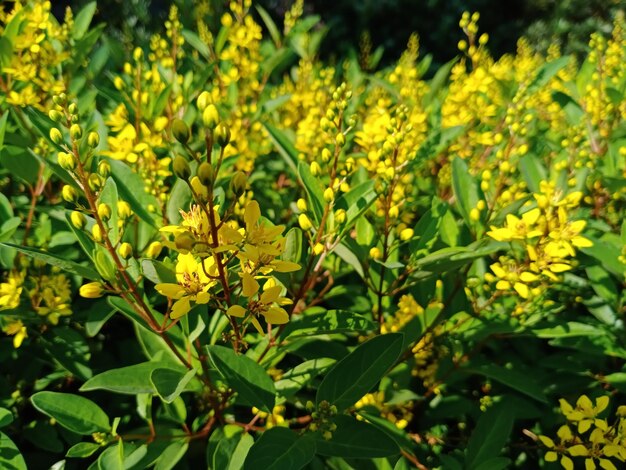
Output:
x=78 y=220
x=123 y=210
x=329 y=194
x=239 y=183
x=76 y=132
x=210 y=117
x=203 y=100
x=340 y=216
x=125 y=250
x=56 y=136
x=315 y=168
x=340 y=140
x=104 y=169
x=326 y=155
x=96 y=232
x=206 y=174
x=304 y=222
x=181 y=168
x=301 y=205
x=95 y=182
x=137 y=54
x=222 y=135
x=184 y=242
x=55 y=115
x=73 y=109
x=91 y=290
x=60 y=99
x=69 y=194
x=104 y=211
x=67 y=161
x=93 y=139
x=181 y=131
x=154 y=249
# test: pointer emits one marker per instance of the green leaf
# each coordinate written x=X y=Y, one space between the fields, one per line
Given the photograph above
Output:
x=465 y=188
x=109 y=196
x=355 y=202
x=497 y=463
x=8 y=228
x=439 y=80
x=548 y=71
x=170 y=383
x=294 y=379
x=280 y=449
x=269 y=24
x=313 y=190
x=491 y=433
x=6 y=417
x=331 y=321
x=130 y=187
x=54 y=260
x=83 y=449
x=511 y=378
x=358 y=372
x=20 y=163
x=83 y=20
x=3 y=126
x=284 y=145
x=171 y=455
x=130 y=380
x=357 y=440
x=10 y=456
x=76 y=413
x=245 y=376
x=226 y=444
x=194 y=41
x=533 y=171
x=69 y=348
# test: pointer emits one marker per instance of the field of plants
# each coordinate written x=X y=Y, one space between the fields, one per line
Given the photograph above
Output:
x=226 y=253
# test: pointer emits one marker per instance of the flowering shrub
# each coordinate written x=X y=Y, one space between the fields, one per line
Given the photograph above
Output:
x=229 y=254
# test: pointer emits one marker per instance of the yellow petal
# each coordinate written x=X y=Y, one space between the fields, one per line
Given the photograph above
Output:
x=285 y=266
x=276 y=316
x=584 y=403
x=202 y=297
x=581 y=242
x=530 y=217
x=607 y=464
x=250 y=285
x=271 y=294
x=236 y=311
x=590 y=464
x=521 y=289
x=252 y=214
x=551 y=456
x=578 y=450
x=180 y=308
x=173 y=291
x=546 y=441
x=567 y=463
x=257 y=325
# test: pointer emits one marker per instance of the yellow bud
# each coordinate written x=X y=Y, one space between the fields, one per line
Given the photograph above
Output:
x=67 y=161
x=318 y=249
x=125 y=250
x=69 y=194
x=104 y=169
x=210 y=117
x=184 y=241
x=316 y=169
x=76 y=132
x=137 y=54
x=180 y=131
x=326 y=155
x=181 y=168
x=95 y=182
x=239 y=183
x=96 y=232
x=91 y=290
x=204 y=99
x=60 y=99
x=104 y=211
x=406 y=234
x=93 y=139
x=474 y=214
x=206 y=174
x=394 y=211
x=304 y=222
x=78 y=220
x=375 y=253
x=55 y=115
x=123 y=210
x=56 y=136
x=340 y=140
x=154 y=249
x=301 y=205
x=73 y=109
x=340 y=216
x=222 y=135
x=329 y=195
x=118 y=83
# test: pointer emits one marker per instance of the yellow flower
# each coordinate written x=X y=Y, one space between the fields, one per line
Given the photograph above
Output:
x=91 y=290
x=516 y=228
x=585 y=413
x=10 y=291
x=264 y=304
x=16 y=329
x=194 y=281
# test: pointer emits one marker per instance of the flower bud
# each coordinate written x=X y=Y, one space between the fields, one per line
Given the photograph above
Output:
x=91 y=290
x=60 y=99
x=56 y=136
x=375 y=253
x=406 y=234
x=210 y=117
x=301 y=205
x=123 y=210
x=78 y=220
x=340 y=216
x=154 y=249
x=125 y=250
x=73 y=109
x=206 y=174
x=316 y=169
x=95 y=182
x=93 y=139
x=326 y=155
x=55 y=115
x=76 y=132
x=305 y=222
x=329 y=195
x=184 y=242
x=104 y=211
x=181 y=131
x=222 y=135
x=239 y=183
x=67 y=161
x=104 y=169
x=181 y=168
x=318 y=249
x=96 y=232
x=340 y=140
x=203 y=100
x=69 y=193
x=137 y=54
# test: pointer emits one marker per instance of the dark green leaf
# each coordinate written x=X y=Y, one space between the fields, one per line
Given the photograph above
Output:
x=491 y=433
x=245 y=376
x=83 y=19
x=170 y=383
x=10 y=456
x=284 y=145
x=130 y=380
x=280 y=449
x=76 y=413
x=358 y=372
x=83 y=449
x=332 y=321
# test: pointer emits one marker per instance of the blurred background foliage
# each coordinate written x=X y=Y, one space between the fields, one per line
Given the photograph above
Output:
x=389 y=23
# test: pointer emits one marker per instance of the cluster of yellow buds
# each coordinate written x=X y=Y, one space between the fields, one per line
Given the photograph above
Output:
x=399 y=414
